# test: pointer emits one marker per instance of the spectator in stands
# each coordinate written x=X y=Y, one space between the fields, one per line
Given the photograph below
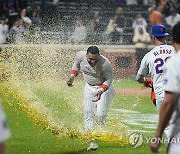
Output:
x=79 y=34
x=16 y=32
x=94 y=28
x=106 y=36
x=3 y=29
x=139 y=21
x=155 y=16
x=121 y=24
x=11 y=9
x=167 y=9
x=114 y=32
x=173 y=18
x=36 y=22
x=141 y=39
x=111 y=33
x=26 y=21
x=161 y=5
x=11 y=6
x=35 y=19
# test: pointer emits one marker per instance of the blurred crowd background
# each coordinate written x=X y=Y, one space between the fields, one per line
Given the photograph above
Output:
x=117 y=22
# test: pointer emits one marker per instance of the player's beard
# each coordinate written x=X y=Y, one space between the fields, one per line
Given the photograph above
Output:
x=92 y=64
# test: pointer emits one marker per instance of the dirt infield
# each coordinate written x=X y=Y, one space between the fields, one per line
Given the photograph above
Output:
x=135 y=91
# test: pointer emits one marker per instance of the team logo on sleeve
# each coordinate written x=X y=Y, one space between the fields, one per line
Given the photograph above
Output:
x=165 y=81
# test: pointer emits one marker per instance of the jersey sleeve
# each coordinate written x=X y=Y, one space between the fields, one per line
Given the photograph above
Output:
x=76 y=65
x=171 y=82
x=107 y=74
x=144 y=69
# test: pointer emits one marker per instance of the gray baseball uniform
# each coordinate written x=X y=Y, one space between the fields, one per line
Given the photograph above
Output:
x=172 y=84
x=96 y=77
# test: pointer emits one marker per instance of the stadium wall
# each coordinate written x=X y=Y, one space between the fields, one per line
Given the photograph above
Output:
x=59 y=58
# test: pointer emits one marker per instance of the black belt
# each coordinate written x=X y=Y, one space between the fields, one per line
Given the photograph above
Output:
x=94 y=85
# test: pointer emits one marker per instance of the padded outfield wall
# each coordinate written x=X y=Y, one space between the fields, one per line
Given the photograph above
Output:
x=56 y=60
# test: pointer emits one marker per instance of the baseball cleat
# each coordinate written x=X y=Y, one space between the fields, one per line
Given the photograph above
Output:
x=93 y=146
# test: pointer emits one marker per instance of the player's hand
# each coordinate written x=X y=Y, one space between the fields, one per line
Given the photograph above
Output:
x=154 y=146
x=70 y=80
x=148 y=82
x=98 y=94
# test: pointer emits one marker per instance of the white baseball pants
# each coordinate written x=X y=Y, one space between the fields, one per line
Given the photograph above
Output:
x=96 y=112
x=4 y=131
x=158 y=106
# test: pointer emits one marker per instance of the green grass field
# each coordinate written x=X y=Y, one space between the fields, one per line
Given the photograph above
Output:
x=29 y=135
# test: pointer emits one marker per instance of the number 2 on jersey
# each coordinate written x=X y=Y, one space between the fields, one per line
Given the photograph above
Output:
x=160 y=62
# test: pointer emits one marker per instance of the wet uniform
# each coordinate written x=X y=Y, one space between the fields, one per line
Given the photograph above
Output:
x=96 y=77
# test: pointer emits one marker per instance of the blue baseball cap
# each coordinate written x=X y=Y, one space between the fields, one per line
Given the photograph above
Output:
x=159 y=31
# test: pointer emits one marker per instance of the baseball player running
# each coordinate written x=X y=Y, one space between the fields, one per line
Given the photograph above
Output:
x=98 y=91
x=4 y=131
x=170 y=108
x=153 y=63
